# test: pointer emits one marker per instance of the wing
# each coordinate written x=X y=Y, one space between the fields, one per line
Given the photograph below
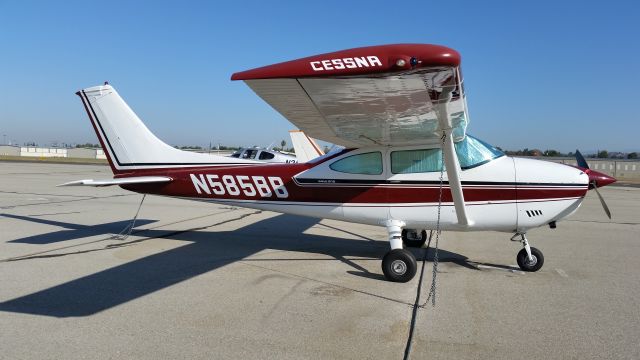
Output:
x=119 y=181
x=386 y=95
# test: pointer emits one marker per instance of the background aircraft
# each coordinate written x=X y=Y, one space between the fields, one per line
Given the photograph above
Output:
x=266 y=155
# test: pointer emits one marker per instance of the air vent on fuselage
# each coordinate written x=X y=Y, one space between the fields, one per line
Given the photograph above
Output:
x=533 y=213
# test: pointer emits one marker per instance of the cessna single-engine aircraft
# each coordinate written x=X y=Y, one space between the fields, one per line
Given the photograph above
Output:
x=400 y=113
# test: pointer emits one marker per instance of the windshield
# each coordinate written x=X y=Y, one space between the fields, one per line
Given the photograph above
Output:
x=237 y=153
x=473 y=152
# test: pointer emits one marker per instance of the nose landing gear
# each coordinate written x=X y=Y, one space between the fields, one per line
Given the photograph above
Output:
x=529 y=258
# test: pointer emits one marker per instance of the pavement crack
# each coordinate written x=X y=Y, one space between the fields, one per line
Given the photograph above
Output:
x=64 y=201
x=328 y=283
x=604 y=222
x=416 y=305
x=43 y=194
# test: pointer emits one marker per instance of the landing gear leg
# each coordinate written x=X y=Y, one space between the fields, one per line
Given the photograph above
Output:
x=398 y=265
x=529 y=258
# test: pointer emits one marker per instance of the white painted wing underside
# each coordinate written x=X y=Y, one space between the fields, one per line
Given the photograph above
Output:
x=394 y=110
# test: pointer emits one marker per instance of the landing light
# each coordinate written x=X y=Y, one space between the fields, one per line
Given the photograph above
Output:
x=401 y=62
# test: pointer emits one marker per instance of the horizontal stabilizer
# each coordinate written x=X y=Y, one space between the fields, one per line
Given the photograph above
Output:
x=120 y=181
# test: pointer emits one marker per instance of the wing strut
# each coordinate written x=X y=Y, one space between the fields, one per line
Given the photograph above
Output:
x=450 y=158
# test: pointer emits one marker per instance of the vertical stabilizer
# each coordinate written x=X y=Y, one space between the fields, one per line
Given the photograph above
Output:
x=128 y=143
x=305 y=147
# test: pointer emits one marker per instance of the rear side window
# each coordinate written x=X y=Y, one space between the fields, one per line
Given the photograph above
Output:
x=265 y=156
x=416 y=161
x=367 y=163
x=249 y=154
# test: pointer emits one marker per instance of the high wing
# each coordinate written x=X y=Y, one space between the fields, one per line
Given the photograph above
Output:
x=393 y=95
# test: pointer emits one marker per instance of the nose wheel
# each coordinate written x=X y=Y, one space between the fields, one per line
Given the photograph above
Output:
x=529 y=258
x=533 y=264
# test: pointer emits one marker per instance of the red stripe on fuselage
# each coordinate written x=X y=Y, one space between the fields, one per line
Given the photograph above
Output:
x=183 y=186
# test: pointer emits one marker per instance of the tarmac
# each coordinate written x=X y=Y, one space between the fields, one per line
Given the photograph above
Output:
x=202 y=281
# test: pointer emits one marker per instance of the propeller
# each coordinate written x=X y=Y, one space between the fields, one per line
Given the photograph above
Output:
x=581 y=161
x=604 y=204
x=596 y=180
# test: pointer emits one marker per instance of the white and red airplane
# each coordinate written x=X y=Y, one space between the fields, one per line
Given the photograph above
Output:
x=400 y=113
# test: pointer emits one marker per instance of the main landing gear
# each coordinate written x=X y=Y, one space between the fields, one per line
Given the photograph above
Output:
x=529 y=258
x=413 y=238
x=399 y=265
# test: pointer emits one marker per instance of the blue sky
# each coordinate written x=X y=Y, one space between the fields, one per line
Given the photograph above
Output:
x=538 y=74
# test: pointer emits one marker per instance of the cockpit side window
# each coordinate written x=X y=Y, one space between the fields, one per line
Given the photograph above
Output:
x=471 y=153
x=250 y=154
x=416 y=161
x=367 y=163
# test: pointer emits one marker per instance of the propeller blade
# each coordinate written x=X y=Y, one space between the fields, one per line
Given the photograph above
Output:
x=581 y=161
x=604 y=204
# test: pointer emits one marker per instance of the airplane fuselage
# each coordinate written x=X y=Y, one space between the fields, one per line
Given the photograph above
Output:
x=503 y=194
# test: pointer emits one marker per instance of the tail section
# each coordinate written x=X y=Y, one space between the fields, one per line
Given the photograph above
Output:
x=305 y=147
x=128 y=143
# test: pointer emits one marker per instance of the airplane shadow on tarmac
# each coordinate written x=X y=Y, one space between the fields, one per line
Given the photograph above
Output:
x=72 y=231
x=207 y=251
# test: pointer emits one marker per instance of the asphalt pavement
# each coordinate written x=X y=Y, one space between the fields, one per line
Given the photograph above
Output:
x=202 y=281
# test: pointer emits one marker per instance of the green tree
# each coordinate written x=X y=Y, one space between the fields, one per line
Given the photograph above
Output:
x=283 y=143
x=603 y=154
x=632 y=155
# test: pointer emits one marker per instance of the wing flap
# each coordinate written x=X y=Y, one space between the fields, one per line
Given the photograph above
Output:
x=120 y=181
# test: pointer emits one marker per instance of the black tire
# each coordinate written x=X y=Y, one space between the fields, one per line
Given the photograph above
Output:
x=523 y=261
x=411 y=242
x=399 y=265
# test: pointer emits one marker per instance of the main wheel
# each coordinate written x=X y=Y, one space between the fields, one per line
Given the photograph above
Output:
x=525 y=264
x=411 y=238
x=399 y=265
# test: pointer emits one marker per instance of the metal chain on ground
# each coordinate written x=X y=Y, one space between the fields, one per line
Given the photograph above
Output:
x=124 y=234
x=432 y=291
